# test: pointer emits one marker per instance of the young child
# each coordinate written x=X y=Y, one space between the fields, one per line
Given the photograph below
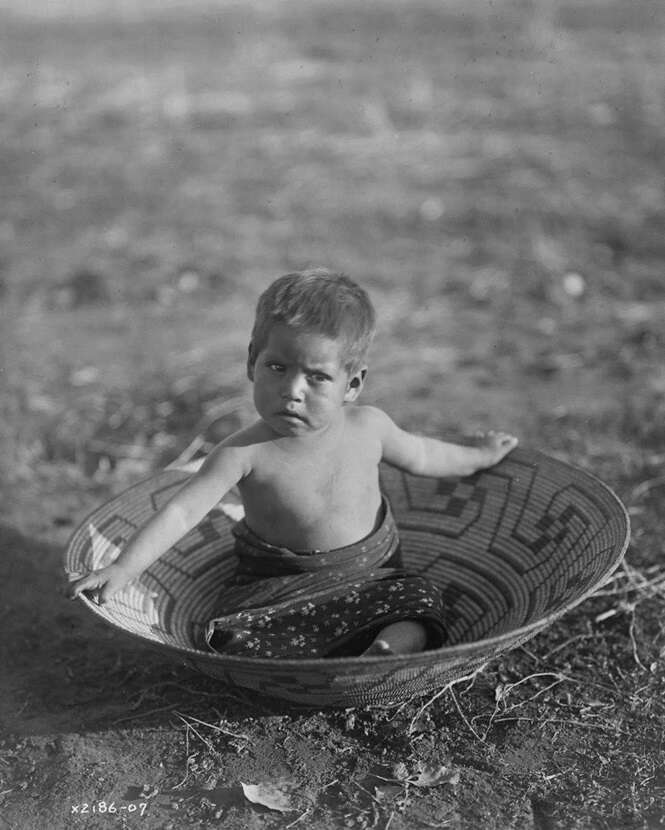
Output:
x=320 y=572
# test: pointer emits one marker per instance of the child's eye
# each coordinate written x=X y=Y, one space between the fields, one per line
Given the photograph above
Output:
x=317 y=377
x=275 y=367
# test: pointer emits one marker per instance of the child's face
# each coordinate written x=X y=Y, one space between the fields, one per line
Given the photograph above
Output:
x=300 y=384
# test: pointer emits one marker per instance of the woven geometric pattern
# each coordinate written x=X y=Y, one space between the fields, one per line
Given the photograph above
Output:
x=512 y=548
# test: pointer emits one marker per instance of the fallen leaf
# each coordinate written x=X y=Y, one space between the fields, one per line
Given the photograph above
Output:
x=400 y=771
x=432 y=776
x=274 y=796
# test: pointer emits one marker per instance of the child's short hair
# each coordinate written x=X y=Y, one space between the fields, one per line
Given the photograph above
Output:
x=322 y=301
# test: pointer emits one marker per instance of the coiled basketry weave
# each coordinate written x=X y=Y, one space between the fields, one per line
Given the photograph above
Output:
x=512 y=548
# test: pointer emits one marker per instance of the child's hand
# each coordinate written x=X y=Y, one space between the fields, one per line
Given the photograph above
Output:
x=496 y=445
x=101 y=584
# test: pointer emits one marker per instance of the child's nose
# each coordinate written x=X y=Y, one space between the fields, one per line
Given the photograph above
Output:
x=293 y=386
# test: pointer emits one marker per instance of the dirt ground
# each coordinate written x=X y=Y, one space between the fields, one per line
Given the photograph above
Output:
x=565 y=732
x=494 y=177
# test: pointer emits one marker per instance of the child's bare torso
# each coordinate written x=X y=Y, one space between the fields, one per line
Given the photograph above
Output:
x=315 y=493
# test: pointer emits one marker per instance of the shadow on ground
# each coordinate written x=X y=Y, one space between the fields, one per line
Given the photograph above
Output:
x=90 y=719
x=66 y=671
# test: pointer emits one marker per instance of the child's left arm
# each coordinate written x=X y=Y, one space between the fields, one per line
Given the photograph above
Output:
x=426 y=456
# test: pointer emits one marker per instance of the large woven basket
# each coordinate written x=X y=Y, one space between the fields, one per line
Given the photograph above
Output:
x=512 y=548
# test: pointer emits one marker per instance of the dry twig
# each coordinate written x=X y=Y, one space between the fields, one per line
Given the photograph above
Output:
x=221 y=729
x=448 y=687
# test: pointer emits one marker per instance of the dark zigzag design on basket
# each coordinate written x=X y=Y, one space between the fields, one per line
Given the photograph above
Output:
x=453 y=516
x=461 y=507
x=511 y=548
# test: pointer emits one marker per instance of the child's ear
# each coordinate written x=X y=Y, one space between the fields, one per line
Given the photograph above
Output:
x=355 y=384
x=251 y=360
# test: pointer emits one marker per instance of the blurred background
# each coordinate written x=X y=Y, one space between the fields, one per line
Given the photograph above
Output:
x=492 y=172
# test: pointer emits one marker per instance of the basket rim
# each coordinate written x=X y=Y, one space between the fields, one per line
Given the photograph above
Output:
x=418 y=659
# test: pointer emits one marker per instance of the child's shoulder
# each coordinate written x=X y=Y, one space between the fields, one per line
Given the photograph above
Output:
x=367 y=417
x=238 y=451
x=248 y=438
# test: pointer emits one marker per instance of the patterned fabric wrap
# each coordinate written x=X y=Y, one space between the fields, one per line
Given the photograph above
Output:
x=291 y=604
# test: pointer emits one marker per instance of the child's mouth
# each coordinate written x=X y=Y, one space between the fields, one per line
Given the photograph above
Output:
x=291 y=416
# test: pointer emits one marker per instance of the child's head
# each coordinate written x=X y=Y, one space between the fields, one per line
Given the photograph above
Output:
x=321 y=302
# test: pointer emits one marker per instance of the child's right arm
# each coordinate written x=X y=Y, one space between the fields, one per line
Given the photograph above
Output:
x=222 y=469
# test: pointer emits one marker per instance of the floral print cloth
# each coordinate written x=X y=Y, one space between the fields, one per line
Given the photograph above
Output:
x=291 y=604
